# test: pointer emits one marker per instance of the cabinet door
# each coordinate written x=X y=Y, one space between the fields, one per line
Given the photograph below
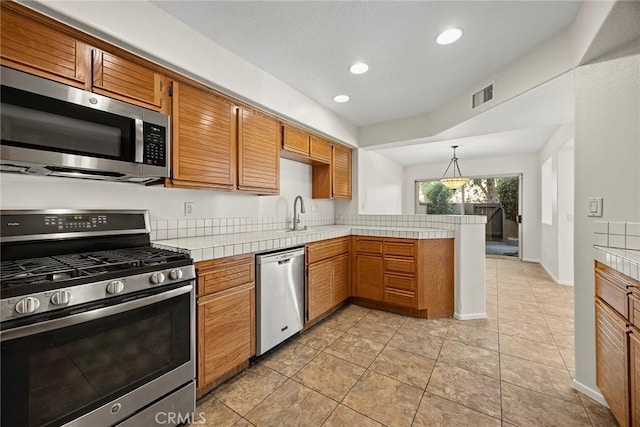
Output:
x=368 y=277
x=295 y=140
x=634 y=364
x=319 y=289
x=128 y=81
x=34 y=45
x=612 y=369
x=319 y=149
x=341 y=278
x=258 y=153
x=226 y=330
x=341 y=171
x=204 y=138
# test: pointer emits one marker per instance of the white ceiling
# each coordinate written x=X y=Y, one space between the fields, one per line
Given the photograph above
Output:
x=309 y=46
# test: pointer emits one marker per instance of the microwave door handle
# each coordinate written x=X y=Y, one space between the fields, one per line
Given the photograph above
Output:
x=139 y=141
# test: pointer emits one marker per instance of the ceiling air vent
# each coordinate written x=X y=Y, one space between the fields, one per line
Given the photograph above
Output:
x=482 y=96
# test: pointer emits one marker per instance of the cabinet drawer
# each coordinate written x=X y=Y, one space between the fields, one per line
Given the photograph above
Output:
x=612 y=294
x=327 y=249
x=634 y=310
x=225 y=273
x=399 y=249
x=399 y=282
x=398 y=297
x=369 y=246
x=399 y=265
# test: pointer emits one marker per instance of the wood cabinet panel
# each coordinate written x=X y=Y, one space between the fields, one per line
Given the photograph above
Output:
x=341 y=278
x=341 y=172
x=295 y=140
x=204 y=138
x=225 y=332
x=32 y=43
x=128 y=81
x=368 y=277
x=612 y=369
x=319 y=289
x=319 y=149
x=612 y=294
x=400 y=249
x=399 y=282
x=369 y=246
x=399 y=297
x=224 y=273
x=325 y=249
x=399 y=265
x=634 y=310
x=634 y=375
x=258 y=152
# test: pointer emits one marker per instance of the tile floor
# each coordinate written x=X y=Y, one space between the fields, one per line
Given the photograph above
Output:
x=364 y=367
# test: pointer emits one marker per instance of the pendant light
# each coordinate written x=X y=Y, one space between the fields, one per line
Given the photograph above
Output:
x=454 y=182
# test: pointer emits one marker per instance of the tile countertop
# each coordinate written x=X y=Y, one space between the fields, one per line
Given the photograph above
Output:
x=223 y=245
x=625 y=261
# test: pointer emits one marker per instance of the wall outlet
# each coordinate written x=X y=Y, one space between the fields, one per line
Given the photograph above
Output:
x=188 y=208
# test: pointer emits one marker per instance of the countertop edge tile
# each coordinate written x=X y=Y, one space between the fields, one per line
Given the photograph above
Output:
x=625 y=261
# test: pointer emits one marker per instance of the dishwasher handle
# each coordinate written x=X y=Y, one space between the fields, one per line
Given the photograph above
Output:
x=281 y=257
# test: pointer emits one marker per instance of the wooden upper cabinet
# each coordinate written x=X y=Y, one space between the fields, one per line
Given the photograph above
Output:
x=204 y=138
x=341 y=172
x=128 y=81
x=319 y=149
x=32 y=43
x=258 y=152
x=295 y=140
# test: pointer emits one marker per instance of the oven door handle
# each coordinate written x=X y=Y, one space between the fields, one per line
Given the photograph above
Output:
x=74 y=319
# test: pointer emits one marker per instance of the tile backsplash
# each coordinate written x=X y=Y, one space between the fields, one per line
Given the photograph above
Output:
x=447 y=222
x=617 y=234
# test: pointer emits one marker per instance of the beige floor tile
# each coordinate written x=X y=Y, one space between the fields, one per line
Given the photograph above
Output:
x=374 y=329
x=536 y=351
x=290 y=359
x=409 y=368
x=599 y=415
x=330 y=376
x=475 y=359
x=537 y=377
x=390 y=319
x=436 y=411
x=529 y=408
x=346 y=317
x=386 y=400
x=241 y=423
x=568 y=356
x=437 y=327
x=475 y=337
x=245 y=391
x=490 y=323
x=531 y=331
x=292 y=404
x=345 y=417
x=319 y=337
x=358 y=350
x=420 y=343
x=564 y=338
x=516 y=316
x=467 y=388
x=215 y=413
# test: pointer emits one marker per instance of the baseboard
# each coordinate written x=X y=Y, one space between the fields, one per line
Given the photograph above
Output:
x=531 y=260
x=472 y=316
x=595 y=395
x=555 y=279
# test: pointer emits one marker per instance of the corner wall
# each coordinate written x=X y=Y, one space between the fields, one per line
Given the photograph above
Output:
x=380 y=187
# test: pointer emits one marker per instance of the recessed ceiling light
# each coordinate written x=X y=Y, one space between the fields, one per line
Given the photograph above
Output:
x=359 y=68
x=449 y=36
x=341 y=98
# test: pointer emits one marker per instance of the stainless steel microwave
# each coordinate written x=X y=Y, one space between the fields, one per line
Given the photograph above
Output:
x=49 y=128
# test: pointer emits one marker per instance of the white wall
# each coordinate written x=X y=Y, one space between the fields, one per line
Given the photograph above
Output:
x=381 y=184
x=510 y=165
x=560 y=193
x=22 y=192
x=607 y=164
x=566 y=190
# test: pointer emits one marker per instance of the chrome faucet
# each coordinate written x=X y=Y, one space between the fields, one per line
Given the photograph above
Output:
x=296 y=215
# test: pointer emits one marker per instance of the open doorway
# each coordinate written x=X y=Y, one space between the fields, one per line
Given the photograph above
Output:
x=497 y=197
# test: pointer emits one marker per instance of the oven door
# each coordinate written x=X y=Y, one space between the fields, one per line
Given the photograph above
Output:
x=101 y=365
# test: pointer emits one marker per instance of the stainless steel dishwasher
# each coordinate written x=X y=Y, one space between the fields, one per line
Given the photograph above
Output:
x=280 y=297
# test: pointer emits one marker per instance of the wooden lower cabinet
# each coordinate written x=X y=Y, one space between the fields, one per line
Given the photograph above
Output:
x=368 y=277
x=634 y=374
x=341 y=278
x=320 y=292
x=225 y=319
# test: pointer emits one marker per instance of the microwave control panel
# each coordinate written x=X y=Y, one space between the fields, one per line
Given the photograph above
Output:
x=155 y=145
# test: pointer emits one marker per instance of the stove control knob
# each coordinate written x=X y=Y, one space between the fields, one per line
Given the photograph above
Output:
x=175 y=274
x=157 y=278
x=27 y=305
x=115 y=287
x=61 y=298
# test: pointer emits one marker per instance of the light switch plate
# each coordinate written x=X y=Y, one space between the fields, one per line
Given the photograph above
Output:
x=594 y=206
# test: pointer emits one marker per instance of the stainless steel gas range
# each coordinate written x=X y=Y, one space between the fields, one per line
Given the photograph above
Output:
x=97 y=327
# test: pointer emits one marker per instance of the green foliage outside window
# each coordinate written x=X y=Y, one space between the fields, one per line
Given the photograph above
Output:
x=437 y=196
x=508 y=195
